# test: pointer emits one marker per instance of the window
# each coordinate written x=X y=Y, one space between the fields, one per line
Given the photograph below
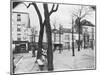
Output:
x=18 y=29
x=18 y=17
x=18 y=24
x=18 y=35
x=19 y=39
x=18 y=14
x=67 y=37
x=24 y=38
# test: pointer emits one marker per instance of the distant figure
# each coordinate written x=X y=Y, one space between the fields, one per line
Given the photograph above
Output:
x=40 y=63
x=33 y=51
x=44 y=53
x=42 y=60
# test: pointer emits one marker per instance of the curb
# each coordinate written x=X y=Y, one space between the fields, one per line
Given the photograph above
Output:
x=19 y=60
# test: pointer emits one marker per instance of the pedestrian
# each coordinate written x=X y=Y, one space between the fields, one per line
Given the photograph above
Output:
x=42 y=60
x=33 y=51
x=40 y=64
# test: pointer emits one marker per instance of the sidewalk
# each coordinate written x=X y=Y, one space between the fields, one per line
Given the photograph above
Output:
x=85 y=59
x=26 y=64
x=17 y=58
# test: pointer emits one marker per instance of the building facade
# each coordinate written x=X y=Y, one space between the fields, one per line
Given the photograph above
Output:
x=65 y=38
x=21 y=31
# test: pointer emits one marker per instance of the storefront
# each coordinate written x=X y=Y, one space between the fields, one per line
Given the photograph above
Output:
x=20 y=46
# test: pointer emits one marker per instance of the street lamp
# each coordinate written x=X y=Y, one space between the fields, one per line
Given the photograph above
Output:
x=55 y=31
x=92 y=38
x=60 y=32
x=73 y=52
x=35 y=32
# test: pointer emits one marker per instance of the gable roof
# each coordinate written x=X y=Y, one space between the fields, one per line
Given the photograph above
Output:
x=86 y=23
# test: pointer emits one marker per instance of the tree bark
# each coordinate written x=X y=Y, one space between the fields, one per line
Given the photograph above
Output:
x=79 y=40
x=60 y=38
x=40 y=41
x=41 y=31
x=46 y=23
x=79 y=31
x=73 y=52
x=49 y=38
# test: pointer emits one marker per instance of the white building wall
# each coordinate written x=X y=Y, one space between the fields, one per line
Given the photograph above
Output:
x=24 y=23
x=66 y=39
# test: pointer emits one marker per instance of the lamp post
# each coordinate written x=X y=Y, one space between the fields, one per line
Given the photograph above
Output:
x=85 y=37
x=73 y=52
x=55 y=31
x=35 y=32
x=60 y=32
x=92 y=38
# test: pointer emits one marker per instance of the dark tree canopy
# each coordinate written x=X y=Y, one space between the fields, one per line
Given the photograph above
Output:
x=93 y=7
x=15 y=4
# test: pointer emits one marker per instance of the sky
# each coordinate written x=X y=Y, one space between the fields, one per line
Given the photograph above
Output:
x=63 y=16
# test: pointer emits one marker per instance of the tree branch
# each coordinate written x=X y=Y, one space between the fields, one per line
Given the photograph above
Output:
x=80 y=11
x=52 y=7
x=53 y=10
x=29 y=5
x=86 y=13
x=73 y=14
x=38 y=12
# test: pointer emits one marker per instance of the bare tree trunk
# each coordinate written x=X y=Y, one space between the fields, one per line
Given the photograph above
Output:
x=40 y=41
x=59 y=39
x=92 y=39
x=73 y=52
x=54 y=41
x=79 y=40
x=84 y=40
x=79 y=31
x=49 y=38
x=48 y=30
x=41 y=30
